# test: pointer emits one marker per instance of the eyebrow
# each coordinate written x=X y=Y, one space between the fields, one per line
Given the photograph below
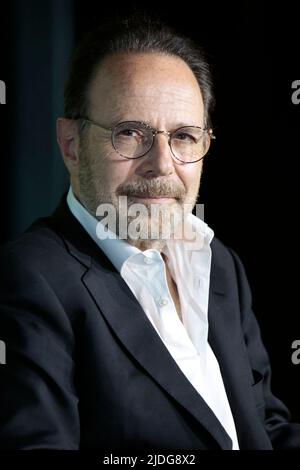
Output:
x=172 y=128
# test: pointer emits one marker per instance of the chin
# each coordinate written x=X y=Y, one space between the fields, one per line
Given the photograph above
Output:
x=148 y=244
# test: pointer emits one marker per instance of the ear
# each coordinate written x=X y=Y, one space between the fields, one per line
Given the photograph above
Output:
x=207 y=141
x=68 y=141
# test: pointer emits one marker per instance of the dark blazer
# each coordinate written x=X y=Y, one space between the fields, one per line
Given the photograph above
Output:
x=86 y=370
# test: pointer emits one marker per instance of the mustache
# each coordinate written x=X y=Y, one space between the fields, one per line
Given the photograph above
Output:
x=152 y=188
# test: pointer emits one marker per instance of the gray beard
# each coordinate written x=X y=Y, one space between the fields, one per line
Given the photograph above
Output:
x=92 y=194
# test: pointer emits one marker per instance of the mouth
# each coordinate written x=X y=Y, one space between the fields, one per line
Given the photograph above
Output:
x=154 y=199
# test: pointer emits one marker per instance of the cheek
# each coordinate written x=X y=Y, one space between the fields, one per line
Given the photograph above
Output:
x=190 y=176
x=118 y=172
x=108 y=168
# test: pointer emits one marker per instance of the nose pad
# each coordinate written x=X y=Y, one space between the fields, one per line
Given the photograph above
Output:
x=168 y=141
x=160 y=161
x=161 y=132
x=167 y=134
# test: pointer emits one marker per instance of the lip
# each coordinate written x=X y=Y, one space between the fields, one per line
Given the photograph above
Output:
x=155 y=199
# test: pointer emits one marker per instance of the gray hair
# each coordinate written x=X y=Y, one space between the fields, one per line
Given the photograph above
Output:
x=137 y=34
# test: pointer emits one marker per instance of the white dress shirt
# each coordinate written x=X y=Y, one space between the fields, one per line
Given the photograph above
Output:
x=145 y=274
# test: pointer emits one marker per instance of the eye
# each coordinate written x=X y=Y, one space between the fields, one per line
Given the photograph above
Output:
x=185 y=137
x=130 y=132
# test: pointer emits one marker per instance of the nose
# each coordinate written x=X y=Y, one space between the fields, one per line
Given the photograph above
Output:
x=158 y=161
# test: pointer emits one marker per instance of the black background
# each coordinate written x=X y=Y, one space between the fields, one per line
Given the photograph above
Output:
x=250 y=180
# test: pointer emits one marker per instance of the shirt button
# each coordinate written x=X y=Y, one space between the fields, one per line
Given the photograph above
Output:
x=163 y=302
x=147 y=260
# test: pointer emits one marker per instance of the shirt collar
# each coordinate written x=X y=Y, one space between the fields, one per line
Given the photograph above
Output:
x=119 y=250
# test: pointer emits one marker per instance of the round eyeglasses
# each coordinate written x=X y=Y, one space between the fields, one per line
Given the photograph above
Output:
x=134 y=139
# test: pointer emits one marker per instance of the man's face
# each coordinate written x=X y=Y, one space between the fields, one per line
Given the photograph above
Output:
x=162 y=92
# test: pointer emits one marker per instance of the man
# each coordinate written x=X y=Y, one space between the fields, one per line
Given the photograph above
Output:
x=133 y=342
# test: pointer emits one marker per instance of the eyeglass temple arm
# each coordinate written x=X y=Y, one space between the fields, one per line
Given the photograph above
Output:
x=94 y=123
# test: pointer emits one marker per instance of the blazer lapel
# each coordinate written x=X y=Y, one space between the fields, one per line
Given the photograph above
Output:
x=235 y=367
x=129 y=322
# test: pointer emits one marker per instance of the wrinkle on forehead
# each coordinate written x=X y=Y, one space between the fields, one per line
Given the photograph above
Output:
x=156 y=82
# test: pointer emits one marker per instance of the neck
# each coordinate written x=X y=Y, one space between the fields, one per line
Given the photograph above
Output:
x=148 y=244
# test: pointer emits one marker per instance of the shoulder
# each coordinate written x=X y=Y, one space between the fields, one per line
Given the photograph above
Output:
x=38 y=262
x=228 y=272
x=38 y=279
x=226 y=257
x=40 y=244
x=219 y=249
x=222 y=255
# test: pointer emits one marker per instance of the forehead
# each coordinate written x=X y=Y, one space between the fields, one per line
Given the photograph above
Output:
x=133 y=85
